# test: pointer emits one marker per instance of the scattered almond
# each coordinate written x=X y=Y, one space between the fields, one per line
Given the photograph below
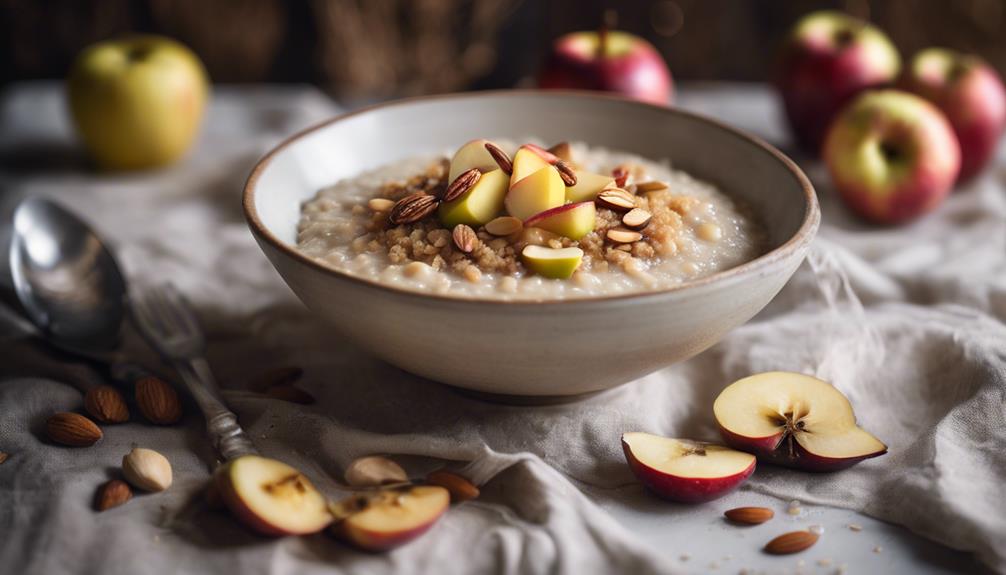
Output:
x=464 y=238
x=286 y=375
x=290 y=393
x=460 y=488
x=158 y=401
x=72 y=429
x=504 y=226
x=651 y=186
x=106 y=404
x=502 y=159
x=623 y=236
x=3 y=457
x=413 y=208
x=146 y=469
x=792 y=542
x=616 y=199
x=381 y=204
x=112 y=494
x=636 y=219
x=373 y=471
x=566 y=173
x=750 y=515
x=462 y=184
x=562 y=151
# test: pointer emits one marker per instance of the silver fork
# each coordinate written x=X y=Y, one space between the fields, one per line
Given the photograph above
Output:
x=165 y=319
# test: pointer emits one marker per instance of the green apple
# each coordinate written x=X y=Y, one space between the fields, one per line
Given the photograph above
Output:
x=542 y=190
x=479 y=205
x=525 y=162
x=587 y=187
x=571 y=220
x=137 y=102
x=555 y=263
x=471 y=155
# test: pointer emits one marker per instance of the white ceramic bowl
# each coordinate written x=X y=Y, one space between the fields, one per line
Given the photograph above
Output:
x=560 y=348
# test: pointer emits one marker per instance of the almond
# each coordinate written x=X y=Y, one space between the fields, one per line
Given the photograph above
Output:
x=373 y=471
x=158 y=401
x=286 y=375
x=636 y=219
x=460 y=488
x=792 y=542
x=562 y=151
x=380 y=204
x=623 y=236
x=3 y=457
x=504 y=226
x=462 y=184
x=72 y=429
x=502 y=159
x=413 y=208
x=112 y=494
x=464 y=238
x=106 y=404
x=651 y=186
x=146 y=469
x=616 y=199
x=566 y=173
x=291 y=394
x=750 y=515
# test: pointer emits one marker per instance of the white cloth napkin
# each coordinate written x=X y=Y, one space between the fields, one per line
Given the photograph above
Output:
x=907 y=322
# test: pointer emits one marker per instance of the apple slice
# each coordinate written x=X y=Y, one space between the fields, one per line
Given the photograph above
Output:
x=525 y=163
x=542 y=190
x=587 y=186
x=571 y=220
x=683 y=470
x=793 y=420
x=389 y=518
x=542 y=153
x=555 y=263
x=478 y=205
x=471 y=155
x=271 y=497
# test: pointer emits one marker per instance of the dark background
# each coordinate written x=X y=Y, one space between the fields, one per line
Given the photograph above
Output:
x=383 y=48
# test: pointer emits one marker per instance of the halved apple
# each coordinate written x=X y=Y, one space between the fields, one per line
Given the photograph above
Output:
x=471 y=155
x=587 y=186
x=271 y=497
x=793 y=420
x=542 y=190
x=386 y=519
x=555 y=263
x=525 y=163
x=571 y=220
x=683 y=470
x=478 y=205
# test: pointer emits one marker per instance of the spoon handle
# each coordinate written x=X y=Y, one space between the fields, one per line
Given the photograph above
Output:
x=228 y=438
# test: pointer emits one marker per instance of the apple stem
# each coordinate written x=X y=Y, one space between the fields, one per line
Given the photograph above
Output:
x=608 y=22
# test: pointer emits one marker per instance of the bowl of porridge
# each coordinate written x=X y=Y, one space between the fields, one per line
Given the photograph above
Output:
x=531 y=244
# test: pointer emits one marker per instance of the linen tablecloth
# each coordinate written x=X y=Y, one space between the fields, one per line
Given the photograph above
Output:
x=907 y=322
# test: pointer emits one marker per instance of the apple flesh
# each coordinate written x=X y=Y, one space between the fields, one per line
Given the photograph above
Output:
x=683 y=470
x=471 y=155
x=793 y=420
x=137 y=102
x=271 y=497
x=526 y=162
x=571 y=220
x=386 y=519
x=587 y=187
x=478 y=205
x=892 y=156
x=555 y=263
x=611 y=61
x=971 y=95
x=542 y=190
x=828 y=59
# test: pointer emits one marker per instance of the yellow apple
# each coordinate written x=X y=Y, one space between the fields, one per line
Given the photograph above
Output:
x=137 y=102
x=542 y=190
x=526 y=162
x=478 y=205
x=587 y=187
x=555 y=263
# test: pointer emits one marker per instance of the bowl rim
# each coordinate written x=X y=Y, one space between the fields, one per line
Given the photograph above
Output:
x=803 y=236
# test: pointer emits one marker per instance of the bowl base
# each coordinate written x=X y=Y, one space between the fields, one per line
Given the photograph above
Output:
x=525 y=400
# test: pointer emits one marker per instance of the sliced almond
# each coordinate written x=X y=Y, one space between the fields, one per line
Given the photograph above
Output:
x=566 y=173
x=464 y=238
x=460 y=488
x=381 y=204
x=501 y=157
x=623 y=236
x=504 y=226
x=616 y=199
x=636 y=219
x=462 y=184
x=562 y=151
x=651 y=186
x=792 y=542
x=373 y=471
x=750 y=515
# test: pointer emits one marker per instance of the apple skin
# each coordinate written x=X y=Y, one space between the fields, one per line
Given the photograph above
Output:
x=970 y=93
x=829 y=58
x=764 y=448
x=375 y=541
x=684 y=489
x=919 y=175
x=631 y=67
x=137 y=102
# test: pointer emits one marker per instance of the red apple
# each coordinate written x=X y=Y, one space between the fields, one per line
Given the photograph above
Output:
x=793 y=420
x=971 y=95
x=383 y=520
x=609 y=61
x=571 y=220
x=683 y=470
x=892 y=156
x=828 y=58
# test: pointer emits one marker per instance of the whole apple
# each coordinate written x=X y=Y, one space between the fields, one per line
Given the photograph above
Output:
x=892 y=156
x=137 y=102
x=829 y=58
x=608 y=61
x=971 y=95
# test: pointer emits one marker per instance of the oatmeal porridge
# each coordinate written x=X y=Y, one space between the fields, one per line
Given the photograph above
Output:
x=524 y=223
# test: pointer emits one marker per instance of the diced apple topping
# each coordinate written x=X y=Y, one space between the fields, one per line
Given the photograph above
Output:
x=571 y=220
x=480 y=204
x=525 y=163
x=555 y=263
x=471 y=155
x=588 y=186
x=542 y=190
